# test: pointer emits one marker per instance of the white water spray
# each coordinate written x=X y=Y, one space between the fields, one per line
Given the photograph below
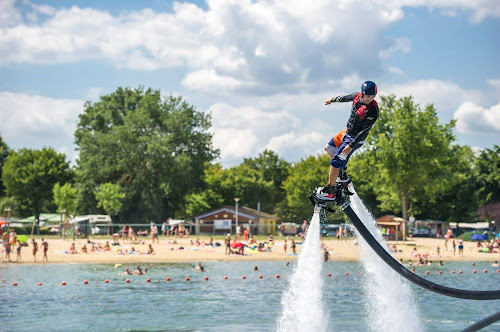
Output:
x=389 y=300
x=302 y=302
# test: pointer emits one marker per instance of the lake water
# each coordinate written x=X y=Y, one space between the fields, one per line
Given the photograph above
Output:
x=250 y=304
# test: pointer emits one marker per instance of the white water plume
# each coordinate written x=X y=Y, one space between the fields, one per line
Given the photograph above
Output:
x=302 y=302
x=389 y=302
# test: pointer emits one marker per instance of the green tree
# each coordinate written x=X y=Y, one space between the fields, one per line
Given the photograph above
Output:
x=224 y=185
x=487 y=175
x=109 y=198
x=303 y=177
x=29 y=176
x=65 y=198
x=4 y=152
x=272 y=168
x=410 y=154
x=155 y=148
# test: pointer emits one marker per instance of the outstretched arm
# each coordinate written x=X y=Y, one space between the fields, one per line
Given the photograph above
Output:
x=342 y=99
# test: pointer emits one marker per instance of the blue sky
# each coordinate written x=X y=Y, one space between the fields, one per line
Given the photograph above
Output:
x=262 y=68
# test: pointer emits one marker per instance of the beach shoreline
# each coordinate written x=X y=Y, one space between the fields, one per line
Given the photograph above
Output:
x=166 y=251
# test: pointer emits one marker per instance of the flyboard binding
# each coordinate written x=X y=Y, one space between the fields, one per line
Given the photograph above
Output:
x=339 y=197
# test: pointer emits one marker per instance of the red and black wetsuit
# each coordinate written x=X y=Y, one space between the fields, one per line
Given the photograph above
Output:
x=361 y=119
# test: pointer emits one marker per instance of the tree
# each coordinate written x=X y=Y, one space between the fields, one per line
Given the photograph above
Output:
x=410 y=153
x=304 y=176
x=272 y=168
x=4 y=152
x=154 y=148
x=224 y=185
x=65 y=198
x=109 y=198
x=29 y=176
x=487 y=175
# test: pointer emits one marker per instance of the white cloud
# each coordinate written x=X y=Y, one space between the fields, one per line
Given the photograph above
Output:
x=261 y=43
x=398 y=44
x=395 y=70
x=474 y=119
x=446 y=96
x=34 y=121
x=94 y=93
x=9 y=15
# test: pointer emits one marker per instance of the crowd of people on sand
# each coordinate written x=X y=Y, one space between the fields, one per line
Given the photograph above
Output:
x=10 y=241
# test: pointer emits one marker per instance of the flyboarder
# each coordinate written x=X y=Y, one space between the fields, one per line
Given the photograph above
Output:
x=364 y=113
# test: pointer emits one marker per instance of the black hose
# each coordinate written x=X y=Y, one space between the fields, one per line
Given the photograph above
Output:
x=396 y=266
x=483 y=323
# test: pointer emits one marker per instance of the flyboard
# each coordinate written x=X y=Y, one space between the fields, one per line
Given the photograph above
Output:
x=340 y=198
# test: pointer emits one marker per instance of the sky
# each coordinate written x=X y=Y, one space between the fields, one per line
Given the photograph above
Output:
x=262 y=69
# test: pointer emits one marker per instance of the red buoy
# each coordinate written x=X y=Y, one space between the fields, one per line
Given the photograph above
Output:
x=206 y=278
x=277 y=276
x=328 y=274
x=85 y=282
x=106 y=281
x=168 y=278
x=427 y=272
x=14 y=283
x=360 y=273
x=187 y=279
x=148 y=280
x=63 y=283
x=243 y=277
x=460 y=272
x=127 y=280
x=452 y=271
x=474 y=271
x=440 y=272
x=346 y=274
x=260 y=276
x=485 y=271
x=39 y=284
x=225 y=277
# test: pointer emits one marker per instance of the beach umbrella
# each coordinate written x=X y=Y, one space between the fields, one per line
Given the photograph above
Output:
x=478 y=237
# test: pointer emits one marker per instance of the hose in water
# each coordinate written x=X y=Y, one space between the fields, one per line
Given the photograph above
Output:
x=396 y=266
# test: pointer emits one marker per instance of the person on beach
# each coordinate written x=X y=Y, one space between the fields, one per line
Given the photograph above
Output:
x=454 y=245
x=293 y=246
x=151 y=251
x=45 y=246
x=72 y=249
x=35 y=248
x=364 y=113
x=227 y=242
x=8 y=249
x=18 y=250
x=284 y=246
x=460 y=247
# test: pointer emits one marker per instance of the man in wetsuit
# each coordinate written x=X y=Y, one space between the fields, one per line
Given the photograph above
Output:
x=364 y=113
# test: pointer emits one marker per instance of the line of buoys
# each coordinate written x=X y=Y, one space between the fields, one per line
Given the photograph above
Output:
x=260 y=276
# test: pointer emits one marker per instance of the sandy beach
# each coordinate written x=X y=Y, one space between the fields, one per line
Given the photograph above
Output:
x=167 y=251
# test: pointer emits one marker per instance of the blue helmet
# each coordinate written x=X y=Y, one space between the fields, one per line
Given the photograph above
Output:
x=369 y=88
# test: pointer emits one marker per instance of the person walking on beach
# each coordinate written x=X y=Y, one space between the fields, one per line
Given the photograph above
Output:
x=293 y=246
x=124 y=233
x=35 y=248
x=284 y=246
x=227 y=241
x=460 y=247
x=454 y=244
x=45 y=246
x=18 y=250
x=164 y=228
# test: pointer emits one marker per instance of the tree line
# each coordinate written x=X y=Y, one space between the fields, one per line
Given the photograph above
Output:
x=146 y=157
